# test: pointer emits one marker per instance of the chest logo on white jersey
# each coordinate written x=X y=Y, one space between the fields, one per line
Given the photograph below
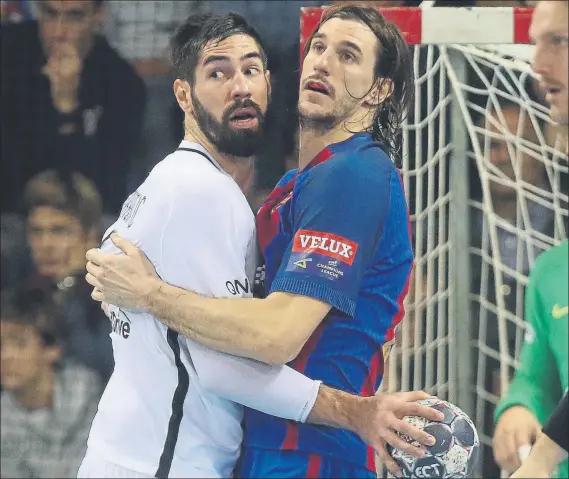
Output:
x=120 y=323
x=236 y=287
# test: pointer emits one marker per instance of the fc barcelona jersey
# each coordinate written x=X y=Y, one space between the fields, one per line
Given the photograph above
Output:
x=337 y=231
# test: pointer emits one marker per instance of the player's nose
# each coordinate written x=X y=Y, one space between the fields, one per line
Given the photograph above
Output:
x=541 y=60
x=240 y=88
x=322 y=63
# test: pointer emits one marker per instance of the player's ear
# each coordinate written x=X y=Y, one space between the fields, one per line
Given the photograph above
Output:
x=182 y=92
x=382 y=90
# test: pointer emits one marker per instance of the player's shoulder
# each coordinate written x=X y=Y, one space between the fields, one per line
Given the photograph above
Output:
x=554 y=258
x=193 y=175
x=357 y=162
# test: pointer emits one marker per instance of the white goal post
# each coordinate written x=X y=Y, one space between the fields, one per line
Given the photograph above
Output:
x=487 y=189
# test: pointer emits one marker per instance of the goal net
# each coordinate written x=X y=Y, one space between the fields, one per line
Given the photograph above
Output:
x=486 y=183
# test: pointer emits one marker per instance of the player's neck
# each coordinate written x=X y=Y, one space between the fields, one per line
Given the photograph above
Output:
x=240 y=169
x=313 y=142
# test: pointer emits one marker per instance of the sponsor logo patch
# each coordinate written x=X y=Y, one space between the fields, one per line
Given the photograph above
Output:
x=325 y=244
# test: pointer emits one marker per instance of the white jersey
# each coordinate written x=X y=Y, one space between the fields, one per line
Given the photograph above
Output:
x=168 y=409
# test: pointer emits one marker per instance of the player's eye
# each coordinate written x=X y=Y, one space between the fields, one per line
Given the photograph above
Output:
x=252 y=71
x=318 y=47
x=347 y=57
x=560 y=40
x=216 y=74
x=77 y=16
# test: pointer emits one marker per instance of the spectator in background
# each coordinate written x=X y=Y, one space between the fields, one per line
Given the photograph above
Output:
x=69 y=101
x=63 y=217
x=47 y=405
x=513 y=172
x=514 y=168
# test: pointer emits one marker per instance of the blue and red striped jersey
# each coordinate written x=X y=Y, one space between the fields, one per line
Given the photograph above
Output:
x=338 y=231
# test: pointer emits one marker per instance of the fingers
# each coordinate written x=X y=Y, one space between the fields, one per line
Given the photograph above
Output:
x=387 y=460
x=416 y=409
x=506 y=450
x=93 y=282
x=399 y=443
x=93 y=268
x=124 y=245
x=413 y=396
x=105 y=308
x=97 y=295
x=403 y=427
x=95 y=256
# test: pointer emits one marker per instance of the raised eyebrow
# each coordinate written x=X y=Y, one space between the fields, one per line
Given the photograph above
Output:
x=224 y=58
x=251 y=55
x=215 y=58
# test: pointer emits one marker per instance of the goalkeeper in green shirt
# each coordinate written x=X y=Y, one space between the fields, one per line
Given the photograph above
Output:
x=542 y=377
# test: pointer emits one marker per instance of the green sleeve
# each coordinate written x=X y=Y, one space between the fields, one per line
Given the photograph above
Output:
x=536 y=382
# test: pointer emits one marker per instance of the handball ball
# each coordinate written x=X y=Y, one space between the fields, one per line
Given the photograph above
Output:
x=454 y=455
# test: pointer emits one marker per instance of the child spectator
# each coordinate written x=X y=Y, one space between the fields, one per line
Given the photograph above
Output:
x=47 y=405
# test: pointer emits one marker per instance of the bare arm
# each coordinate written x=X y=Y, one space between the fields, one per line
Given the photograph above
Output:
x=544 y=457
x=272 y=330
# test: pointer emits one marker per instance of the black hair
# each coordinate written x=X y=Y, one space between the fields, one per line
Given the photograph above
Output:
x=34 y=307
x=66 y=191
x=393 y=63
x=192 y=36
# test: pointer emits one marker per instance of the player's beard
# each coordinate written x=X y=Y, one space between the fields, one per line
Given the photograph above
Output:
x=237 y=143
x=323 y=123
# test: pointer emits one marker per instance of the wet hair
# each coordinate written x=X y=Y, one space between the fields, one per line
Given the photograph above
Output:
x=197 y=31
x=393 y=63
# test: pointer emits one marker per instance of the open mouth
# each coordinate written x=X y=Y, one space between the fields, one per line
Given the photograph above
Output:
x=244 y=118
x=243 y=114
x=317 y=87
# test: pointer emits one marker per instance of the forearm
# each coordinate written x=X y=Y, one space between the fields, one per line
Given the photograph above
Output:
x=546 y=454
x=279 y=391
x=337 y=409
x=243 y=327
x=556 y=428
x=534 y=385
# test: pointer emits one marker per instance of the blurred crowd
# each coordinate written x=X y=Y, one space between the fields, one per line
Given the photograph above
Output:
x=87 y=111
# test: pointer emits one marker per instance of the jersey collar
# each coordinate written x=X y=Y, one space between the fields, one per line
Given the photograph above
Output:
x=354 y=141
x=185 y=144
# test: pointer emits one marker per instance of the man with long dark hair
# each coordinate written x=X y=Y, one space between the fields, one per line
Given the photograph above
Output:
x=335 y=239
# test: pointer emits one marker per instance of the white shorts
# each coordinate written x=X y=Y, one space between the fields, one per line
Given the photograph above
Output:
x=93 y=467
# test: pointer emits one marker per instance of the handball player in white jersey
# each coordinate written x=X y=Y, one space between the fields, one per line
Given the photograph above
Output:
x=173 y=408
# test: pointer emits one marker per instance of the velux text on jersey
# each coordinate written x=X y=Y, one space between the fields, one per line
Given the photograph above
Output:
x=326 y=244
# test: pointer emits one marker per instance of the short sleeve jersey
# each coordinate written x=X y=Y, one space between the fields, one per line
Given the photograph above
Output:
x=337 y=231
